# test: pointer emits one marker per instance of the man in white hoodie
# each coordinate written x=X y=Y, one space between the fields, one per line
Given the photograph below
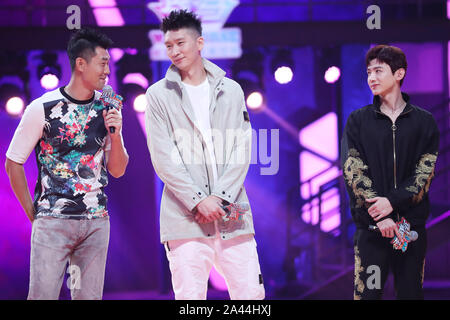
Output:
x=199 y=138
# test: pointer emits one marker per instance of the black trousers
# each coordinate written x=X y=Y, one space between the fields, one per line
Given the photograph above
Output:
x=375 y=257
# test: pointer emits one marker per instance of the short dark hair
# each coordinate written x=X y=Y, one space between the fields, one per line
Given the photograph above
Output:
x=178 y=19
x=392 y=56
x=83 y=43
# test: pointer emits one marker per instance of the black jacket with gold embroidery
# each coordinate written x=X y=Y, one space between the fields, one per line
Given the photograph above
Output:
x=392 y=160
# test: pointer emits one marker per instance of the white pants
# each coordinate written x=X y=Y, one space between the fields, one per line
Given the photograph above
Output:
x=191 y=260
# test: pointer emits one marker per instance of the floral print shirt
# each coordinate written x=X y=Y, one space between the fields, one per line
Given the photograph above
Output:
x=70 y=140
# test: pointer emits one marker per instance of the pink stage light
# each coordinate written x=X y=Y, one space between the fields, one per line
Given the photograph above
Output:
x=330 y=208
x=136 y=78
x=332 y=74
x=15 y=106
x=108 y=17
x=49 y=81
x=331 y=217
x=311 y=212
x=321 y=136
x=310 y=166
x=116 y=53
x=317 y=169
x=102 y=3
x=132 y=51
x=448 y=9
x=106 y=13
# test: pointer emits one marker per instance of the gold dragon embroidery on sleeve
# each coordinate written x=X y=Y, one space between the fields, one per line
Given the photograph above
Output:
x=423 y=176
x=354 y=169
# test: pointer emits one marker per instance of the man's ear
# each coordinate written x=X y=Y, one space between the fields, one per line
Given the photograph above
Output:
x=400 y=74
x=200 y=43
x=80 y=64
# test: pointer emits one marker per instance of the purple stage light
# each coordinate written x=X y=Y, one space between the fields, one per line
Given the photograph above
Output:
x=283 y=75
x=332 y=74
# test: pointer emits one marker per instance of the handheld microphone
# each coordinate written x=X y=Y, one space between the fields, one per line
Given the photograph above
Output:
x=111 y=100
x=406 y=234
x=235 y=211
x=413 y=235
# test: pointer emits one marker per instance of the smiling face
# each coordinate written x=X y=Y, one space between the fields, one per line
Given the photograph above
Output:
x=380 y=78
x=95 y=70
x=183 y=48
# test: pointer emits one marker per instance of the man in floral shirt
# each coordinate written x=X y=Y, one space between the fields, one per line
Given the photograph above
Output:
x=67 y=128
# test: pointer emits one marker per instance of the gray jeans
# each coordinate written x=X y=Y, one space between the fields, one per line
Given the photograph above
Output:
x=81 y=243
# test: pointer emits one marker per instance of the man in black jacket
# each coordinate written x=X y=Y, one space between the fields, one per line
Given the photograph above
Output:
x=389 y=150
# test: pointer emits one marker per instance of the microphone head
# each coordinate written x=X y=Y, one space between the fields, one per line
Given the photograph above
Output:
x=110 y=99
x=242 y=206
x=413 y=235
x=107 y=91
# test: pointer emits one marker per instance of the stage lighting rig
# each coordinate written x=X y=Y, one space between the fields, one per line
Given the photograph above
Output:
x=14 y=82
x=283 y=66
x=49 y=71
x=134 y=75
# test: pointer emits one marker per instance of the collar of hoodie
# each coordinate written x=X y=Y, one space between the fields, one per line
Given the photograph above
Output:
x=214 y=73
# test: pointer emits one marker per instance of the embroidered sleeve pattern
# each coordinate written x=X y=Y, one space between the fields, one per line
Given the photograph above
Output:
x=356 y=178
x=414 y=189
x=423 y=175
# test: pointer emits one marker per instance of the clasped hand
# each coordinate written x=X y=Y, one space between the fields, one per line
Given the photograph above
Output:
x=380 y=208
x=209 y=210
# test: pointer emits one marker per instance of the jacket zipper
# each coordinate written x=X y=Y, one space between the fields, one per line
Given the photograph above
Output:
x=394 y=128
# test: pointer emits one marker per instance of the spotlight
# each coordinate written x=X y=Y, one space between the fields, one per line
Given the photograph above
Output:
x=255 y=100
x=12 y=99
x=248 y=72
x=134 y=75
x=283 y=66
x=14 y=82
x=49 y=71
x=332 y=74
x=14 y=106
x=284 y=75
x=140 y=103
x=133 y=97
x=49 y=81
